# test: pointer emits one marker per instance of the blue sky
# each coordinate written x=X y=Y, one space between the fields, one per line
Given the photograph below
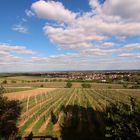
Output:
x=44 y=35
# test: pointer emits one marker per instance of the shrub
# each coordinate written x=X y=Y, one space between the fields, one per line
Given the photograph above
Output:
x=68 y=85
x=125 y=85
x=4 y=82
x=2 y=89
x=86 y=85
x=123 y=121
x=13 y=81
x=41 y=85
x=9 y=113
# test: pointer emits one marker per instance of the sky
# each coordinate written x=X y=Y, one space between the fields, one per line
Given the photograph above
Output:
x=60 y=35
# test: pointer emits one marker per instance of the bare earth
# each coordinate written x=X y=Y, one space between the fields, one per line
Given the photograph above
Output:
x=24 y=94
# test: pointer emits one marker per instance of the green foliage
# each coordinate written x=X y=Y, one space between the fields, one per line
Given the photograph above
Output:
x=54 y=80
x=123 y=121
x=109 y=87
x=68 y=85
x=126 y=78
x=13 y=81
x=135 y=87
x=125 y=85
x=9 y=113
x=2 y=89
x=86 y=85
x=4 y=82
x=41 y=85
x=109 y=79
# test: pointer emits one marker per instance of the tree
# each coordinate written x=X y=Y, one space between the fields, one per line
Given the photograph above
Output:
x=9 y=113
x=123 y=121
x=126 y=78
x=4 y=82
x=41 y=85
x=125 y=85
x=2 y=89
x=68 y=85
x=86 y=85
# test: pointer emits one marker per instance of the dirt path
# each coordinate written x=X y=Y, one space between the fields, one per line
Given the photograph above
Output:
x=24 y=94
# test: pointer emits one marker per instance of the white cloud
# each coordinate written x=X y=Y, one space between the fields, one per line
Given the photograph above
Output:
x=68 y=62
x=86 y=29
x=95 y=5
x=13 y=57
x=134 y=55
x=132 y=46
x=20 y=28
x=72 y=38
x=127 y=55
x=29 y=13
x=107 y=45
x=89 y=33
x=108 y=25
x=126 y=9
x=52 y=10
x=8 y=49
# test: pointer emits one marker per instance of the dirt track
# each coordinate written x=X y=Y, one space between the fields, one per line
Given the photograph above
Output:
x=24 y=94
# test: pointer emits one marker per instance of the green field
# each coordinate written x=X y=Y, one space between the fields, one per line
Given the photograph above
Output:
x=77 y=111
x=38 y=81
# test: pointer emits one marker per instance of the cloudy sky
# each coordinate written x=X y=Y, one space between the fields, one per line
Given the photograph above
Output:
x=44 y=35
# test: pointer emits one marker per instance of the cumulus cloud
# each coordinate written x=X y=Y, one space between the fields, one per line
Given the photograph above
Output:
x=82 y=31
x=72 y=38
x=89 y=33
x=126 y=9
x=8 y=49
x=52 y=10
x=95 y=5
x=110 y=26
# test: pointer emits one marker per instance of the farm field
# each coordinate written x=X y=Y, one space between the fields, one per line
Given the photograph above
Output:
x=68 y=114
x=16 y=89
x=38 y=81
x=27 y=93
x=63 y=84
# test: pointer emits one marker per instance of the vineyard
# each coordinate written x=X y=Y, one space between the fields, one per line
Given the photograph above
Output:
x=10 y=90
x=69 y=113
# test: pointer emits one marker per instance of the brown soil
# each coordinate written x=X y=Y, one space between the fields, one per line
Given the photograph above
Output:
x=24 y=94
